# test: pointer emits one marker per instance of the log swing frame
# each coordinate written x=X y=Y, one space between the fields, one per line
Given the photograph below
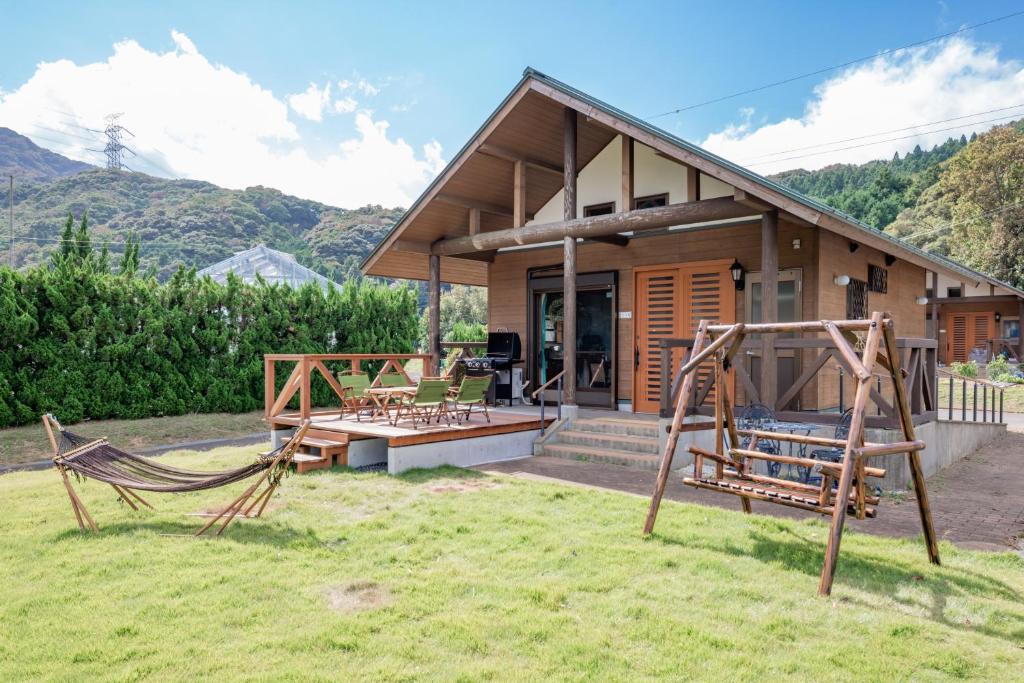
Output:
x=734 y=473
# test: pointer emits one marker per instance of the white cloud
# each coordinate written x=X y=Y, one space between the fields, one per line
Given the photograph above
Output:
x=367 y=88
x=311 y=103
x=361 y=84
x=951 y=79
x=345 y=105
x=207 y=121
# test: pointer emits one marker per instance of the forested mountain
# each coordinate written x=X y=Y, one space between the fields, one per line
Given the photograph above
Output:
x=181 y=222
x=875 y=192
x=25 y=160
x=963 y=199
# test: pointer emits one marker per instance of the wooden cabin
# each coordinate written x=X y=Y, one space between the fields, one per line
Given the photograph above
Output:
x=976 y=319
x=600 y=237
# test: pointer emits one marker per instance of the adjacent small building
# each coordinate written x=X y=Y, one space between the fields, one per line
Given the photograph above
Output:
x=274 y=267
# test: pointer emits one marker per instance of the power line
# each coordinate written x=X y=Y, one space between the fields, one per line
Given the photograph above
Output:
x=826 y=69
x=886 y=132
x=64 y=132
x=879 y=142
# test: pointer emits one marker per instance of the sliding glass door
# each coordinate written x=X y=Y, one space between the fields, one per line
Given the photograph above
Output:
x=595 y=335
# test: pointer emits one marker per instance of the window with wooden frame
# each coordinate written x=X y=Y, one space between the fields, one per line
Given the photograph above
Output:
x=599 y=209
x=651 y=201
x=954 y=292
x=856 y=300
x=878 y=279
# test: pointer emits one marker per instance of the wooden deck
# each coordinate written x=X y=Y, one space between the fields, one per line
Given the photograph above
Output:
x=503 y=421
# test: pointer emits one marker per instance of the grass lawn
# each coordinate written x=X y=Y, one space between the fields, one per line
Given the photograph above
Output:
x=28 y=443
x=450 y=575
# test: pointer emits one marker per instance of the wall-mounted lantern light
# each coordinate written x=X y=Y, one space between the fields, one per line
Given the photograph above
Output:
x=841 y=280
x=889 y=260
x=796 y=244
x=921 y=300
x=737 y=275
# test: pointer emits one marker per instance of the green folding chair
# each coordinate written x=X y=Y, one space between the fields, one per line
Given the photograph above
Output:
x=429 y=400
x=355 y=394
x=394 y=379
x=472 y=393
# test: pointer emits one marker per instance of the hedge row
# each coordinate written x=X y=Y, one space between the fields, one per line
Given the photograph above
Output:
x=81 y=342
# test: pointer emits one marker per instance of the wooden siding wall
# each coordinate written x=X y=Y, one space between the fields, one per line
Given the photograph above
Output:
x=906 y=282
x=507 y=293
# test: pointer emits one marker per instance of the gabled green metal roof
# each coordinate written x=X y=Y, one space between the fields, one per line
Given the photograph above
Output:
x=531 y=73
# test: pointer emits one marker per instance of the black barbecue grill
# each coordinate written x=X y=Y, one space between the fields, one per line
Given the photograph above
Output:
x=504 y=351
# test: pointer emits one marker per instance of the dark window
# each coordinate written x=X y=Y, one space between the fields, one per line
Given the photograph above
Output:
x=928 y=293
x=878 y=279
x=651 y=201
x=856 y=300
x=953 y=292
x=598 y=209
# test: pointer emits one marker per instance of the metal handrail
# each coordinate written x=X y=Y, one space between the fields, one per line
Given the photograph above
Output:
x=544 y=386
x=558 y=379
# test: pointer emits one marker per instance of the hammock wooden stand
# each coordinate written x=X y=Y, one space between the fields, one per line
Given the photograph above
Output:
x=733 y=466
x=127 y=474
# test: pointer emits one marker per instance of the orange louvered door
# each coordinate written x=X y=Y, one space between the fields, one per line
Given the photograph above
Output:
x=670 y=301
x=657 y=318
x=709 y=294
x=968 y=331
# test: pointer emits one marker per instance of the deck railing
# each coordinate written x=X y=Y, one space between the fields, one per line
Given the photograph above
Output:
x=307 y=365
x=917 y=358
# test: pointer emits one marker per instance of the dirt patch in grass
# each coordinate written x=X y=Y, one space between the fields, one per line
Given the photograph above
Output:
x=461 y=486
x=359 y=596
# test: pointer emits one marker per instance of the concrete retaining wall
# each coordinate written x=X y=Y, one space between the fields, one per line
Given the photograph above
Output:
x=462 y=452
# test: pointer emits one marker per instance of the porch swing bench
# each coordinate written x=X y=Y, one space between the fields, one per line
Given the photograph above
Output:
x=843 y=489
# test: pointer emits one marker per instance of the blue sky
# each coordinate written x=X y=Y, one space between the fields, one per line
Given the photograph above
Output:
x=431 y=72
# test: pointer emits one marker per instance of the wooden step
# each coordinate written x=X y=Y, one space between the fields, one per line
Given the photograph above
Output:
x=307 y=462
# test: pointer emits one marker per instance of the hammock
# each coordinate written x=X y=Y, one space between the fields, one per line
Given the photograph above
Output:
x=126 y=473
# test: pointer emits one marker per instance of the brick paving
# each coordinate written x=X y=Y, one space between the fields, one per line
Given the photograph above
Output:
x=976 y=503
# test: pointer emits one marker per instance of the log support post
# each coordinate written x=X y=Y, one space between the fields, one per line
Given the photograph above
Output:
x=519 y=194
x=935 y=306
x=569 y=267
x=769 y=304
x=434 y=316
x=626 y=200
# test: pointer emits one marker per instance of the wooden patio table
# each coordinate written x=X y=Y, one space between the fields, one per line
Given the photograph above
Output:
x=384 y=397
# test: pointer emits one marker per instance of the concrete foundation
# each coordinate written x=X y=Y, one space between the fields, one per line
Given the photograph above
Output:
x=363 y=452
x=462 y=452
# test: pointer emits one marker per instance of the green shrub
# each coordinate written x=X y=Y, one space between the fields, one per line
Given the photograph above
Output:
x=467 y=332
x=82 y=342
x=997 y=367
x=968 y=369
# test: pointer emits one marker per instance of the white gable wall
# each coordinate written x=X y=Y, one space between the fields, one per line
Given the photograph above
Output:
x=600 y=181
